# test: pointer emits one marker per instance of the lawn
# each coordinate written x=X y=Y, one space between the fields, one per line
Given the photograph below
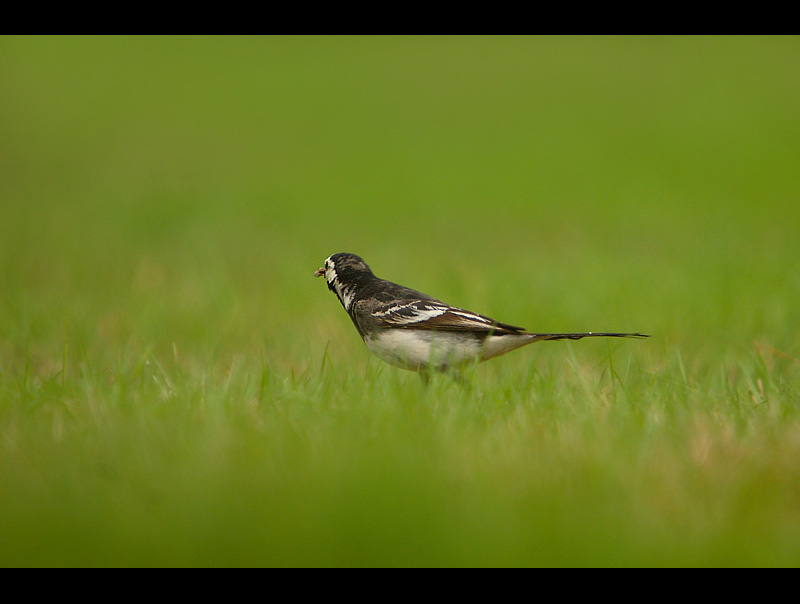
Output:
x=176 y=389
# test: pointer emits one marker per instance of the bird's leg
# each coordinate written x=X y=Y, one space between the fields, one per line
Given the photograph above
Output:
x=425 y=376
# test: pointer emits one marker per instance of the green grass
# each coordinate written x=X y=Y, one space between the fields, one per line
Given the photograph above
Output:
x=176 y=389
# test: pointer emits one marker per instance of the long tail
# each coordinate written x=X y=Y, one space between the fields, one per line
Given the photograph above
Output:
x=588 y=334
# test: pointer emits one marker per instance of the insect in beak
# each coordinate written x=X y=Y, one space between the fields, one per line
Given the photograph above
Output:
x=319 y=272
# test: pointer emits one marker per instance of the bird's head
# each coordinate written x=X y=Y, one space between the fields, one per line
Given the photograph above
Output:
x=342 y=272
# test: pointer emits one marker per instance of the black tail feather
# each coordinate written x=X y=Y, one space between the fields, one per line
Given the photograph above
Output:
x=588 y=334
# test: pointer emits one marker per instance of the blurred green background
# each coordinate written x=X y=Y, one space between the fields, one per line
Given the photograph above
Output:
x=164 y=202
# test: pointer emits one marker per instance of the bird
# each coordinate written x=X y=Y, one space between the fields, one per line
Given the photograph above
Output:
x=414 y=331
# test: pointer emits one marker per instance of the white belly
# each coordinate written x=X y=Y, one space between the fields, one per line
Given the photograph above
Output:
x=416 y=348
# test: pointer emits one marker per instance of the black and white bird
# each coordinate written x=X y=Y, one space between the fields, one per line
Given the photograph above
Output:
x=412 y=330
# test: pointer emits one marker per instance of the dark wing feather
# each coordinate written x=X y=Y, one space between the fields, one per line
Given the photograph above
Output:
x=425 y=314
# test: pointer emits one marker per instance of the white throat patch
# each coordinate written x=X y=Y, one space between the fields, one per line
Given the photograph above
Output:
x=345 y=295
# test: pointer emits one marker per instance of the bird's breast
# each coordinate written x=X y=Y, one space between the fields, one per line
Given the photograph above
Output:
x=418 y=348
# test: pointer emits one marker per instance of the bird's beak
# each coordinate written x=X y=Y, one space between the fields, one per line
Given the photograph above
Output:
x=319 y=272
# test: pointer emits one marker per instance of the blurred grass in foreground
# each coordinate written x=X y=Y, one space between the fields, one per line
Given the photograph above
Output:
x=176 y=389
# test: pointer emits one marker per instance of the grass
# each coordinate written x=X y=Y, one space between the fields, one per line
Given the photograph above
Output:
x=176 y=389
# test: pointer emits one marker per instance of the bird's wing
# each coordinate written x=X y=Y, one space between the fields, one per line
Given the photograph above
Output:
x=426 y=314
